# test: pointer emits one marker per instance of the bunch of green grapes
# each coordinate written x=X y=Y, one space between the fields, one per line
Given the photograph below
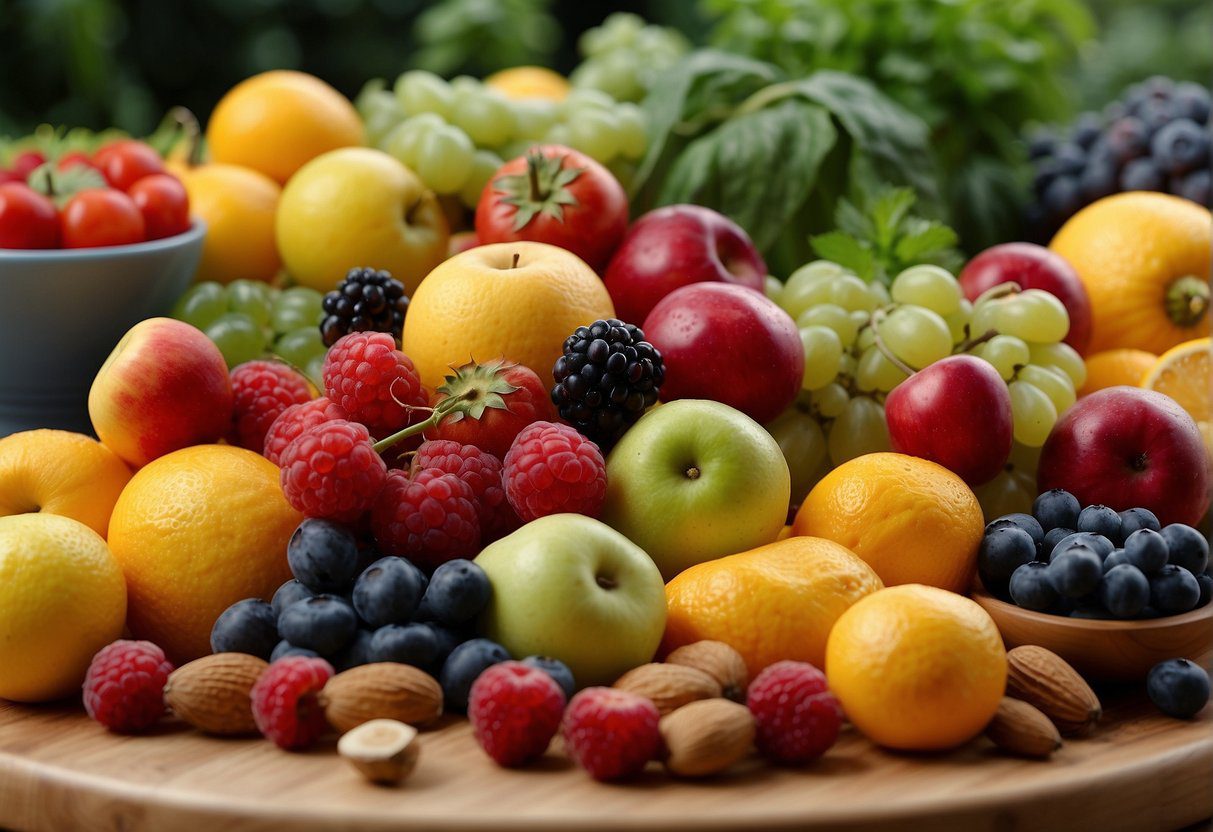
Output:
x=456 y=134
x=623 y=56
x=248 y=320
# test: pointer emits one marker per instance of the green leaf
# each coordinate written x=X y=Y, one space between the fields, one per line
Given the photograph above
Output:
x=888 y=210
x=846 y=251
x=923 y=238
x=851 y=220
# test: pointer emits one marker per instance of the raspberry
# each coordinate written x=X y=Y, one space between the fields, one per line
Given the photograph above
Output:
x=798 y=718
x=295 y=420
x=429 y=518
x=124 y=686
x=262 y=390
x=552 y=469
x=375 y=383
x=515 y=711
x=285 y=707
x=480 y=470
x=611 y=733
x=332 y=471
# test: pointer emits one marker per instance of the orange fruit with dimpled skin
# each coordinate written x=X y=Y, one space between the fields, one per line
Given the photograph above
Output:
x=911 y=520
x=59 y=472
x=239 y=206
x=1112 y=368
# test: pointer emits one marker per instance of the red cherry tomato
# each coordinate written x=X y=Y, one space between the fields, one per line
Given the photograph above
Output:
x=74 y=159
x=165 y=205
x=101 y=217
x=27 y=218
x=126 y=161
x=24 y=164
x=7 y=175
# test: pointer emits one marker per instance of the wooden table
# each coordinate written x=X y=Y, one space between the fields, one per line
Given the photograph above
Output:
x=59 y=772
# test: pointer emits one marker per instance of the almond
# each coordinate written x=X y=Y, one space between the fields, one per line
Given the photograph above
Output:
x=384 y=690
x=718 y=660
x=383 y=750
x=706 y=737
x=1022 y=729
x=212 y=693
x=1044 y=679
x=669 y=686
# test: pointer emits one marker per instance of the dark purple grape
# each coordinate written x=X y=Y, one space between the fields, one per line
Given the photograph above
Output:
x=1195 y=186
x=1069 y=159
x=1191 y=100
x=1062 y=197
x=1041 y=144
x=1141 y=175
x=1098 y=179
x=1180 y=146
x=1127 y=139
x=1086 y=130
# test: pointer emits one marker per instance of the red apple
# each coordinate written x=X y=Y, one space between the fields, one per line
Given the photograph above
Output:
x=730 y=344
x=956 y=412
x=163 y=388
x=676 y=246
x=1033 y=267
x=1126 y=447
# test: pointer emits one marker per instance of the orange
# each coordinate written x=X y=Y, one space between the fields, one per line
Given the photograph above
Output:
x=277 y=121
x=912 y=520
x=196 y=531
x=239 y=206
x=1112 y=368
x=916 y=667
x=1185 y=373
x=529 y=82
x=775 y=602
x=59 y=472
x=1144 y=259
x=518 y=301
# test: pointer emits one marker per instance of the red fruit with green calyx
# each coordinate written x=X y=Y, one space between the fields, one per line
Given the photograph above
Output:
x=501 y=399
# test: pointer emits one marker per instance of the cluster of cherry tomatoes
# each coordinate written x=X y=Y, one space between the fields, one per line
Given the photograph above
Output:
x=119 y=195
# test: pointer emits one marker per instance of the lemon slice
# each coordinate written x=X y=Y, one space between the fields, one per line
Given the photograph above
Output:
x=1185 y=373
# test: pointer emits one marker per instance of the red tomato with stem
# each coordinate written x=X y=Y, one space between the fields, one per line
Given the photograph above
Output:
x=126 y=161
x=101 y=217
x=25 y=163
x=165 y=205
x=555 y=195
x=27 y=218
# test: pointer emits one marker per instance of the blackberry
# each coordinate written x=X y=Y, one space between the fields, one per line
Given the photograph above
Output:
x=606 y=378
x=367 y=300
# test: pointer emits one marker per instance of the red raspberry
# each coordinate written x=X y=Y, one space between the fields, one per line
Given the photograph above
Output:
x=295 y=420
x=611 y=733
x=285 y=707
x=506 y=397
x=332 y=471
x=262 y=390
x=375 y=383
x=482 y=471
x=515 y=711
x=798 y=718
x=429 y=518
x=552 y=469
x=124 y=686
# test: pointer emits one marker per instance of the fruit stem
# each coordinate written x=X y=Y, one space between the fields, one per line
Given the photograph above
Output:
x=444 y=407
x=533 y=160
x=996 y=292
x=877 y=317
x=187 y=122
x=514 y=262
x=1187 y=300
x=966 y=346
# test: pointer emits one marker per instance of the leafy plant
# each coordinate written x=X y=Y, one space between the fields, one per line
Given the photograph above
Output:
x=482 y=36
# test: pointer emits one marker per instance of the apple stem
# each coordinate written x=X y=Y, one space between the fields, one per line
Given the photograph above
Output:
x=444 y=407
x=514 y=263
x=877 y=317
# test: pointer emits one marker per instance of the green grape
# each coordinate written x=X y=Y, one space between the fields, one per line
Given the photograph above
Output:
x=958 y=320
x=534 y=117
x=860 y=429
x=596 y=134
x=804 y=447
x=297 y=308
x=633 y=131
x=1033 y=413
x=847 y=366
x=1024 y=459
x=917 y=336
x=618 y=31
x=773 y=289
x=559 y=134
x=301 y=346
x=484 y=164
x=880 y=293
x=830 y=400
x=1006 y=353
x=983 y=319
x=866 y=338
x=1005 y=494
x=485 y=116
x=466 y=85
x=404 y=141
x=444 y=159
x=514 y=149
x=850 y=292
x=1053 y=382
x=201 y=305
x=252 y=298
x=861 y=318
x=382 y=113
x=822 y=351
x=419 y=91
x=1063 y=357
x=835 y=317
x=815 y=271
x=581 y=100
x=315 y=368
x=801 y=296
x=876 y=372
x=238 y=337
x=928 y=286
x=1034 y=316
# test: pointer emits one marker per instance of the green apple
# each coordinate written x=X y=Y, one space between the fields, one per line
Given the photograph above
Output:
x=570 y=587
x=696 y=480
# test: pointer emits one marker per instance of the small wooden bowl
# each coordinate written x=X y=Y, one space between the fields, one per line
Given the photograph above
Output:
x=1121 y=651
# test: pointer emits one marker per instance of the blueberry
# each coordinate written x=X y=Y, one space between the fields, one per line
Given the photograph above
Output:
x=447 y=639
x=1147 y=550
x=1019 y=521
x=1031 y=587
x=388 y=592
x=323 y=555
x=1191 y=100
x=1062 y=197
x=1180 y=146
x=1187 y=546
x=1041 y=143
x=414 y=644
x=1098 y=179
x=1069 y=159
x=1173 y=590
x=557 y=669
x=284 y=648
x=324 y=623
x=1004 y=550
x=1141 y=175
x=1076 y=571
x=466 y=662
x=1097 y=543
x=1100 y=520
x=1124 y=591
x=355 y=653
x=1205 y=581
x=457 y=593
x=1132 y=519
x=1178 y=688
x=1087 y=128
x=289 y=593
x=1196 y=186
x=1056 y=508
x=1117 y=558
x=247 y=626
x=1127 y=139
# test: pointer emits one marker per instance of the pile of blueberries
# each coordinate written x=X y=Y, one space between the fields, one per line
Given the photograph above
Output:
x=1155 y=138
x=1094 y=562
x=352 y=607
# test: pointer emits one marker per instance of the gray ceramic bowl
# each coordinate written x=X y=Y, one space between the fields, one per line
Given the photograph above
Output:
x=62 y=312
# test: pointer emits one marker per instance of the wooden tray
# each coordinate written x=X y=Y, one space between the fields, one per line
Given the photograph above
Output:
x=59 y=772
